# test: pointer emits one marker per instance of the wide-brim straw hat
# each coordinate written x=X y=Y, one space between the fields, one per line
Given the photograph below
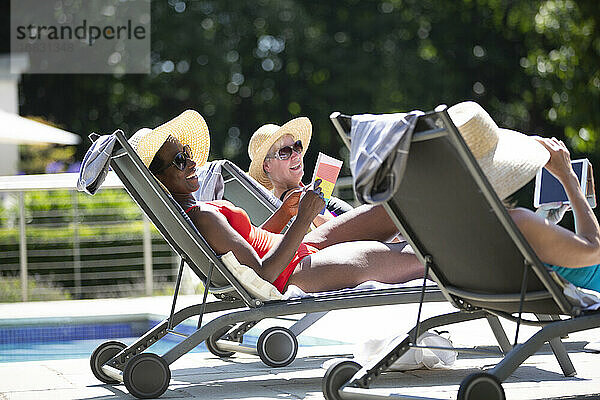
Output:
x=265 y=136
x=189 y=128
x=509 y=159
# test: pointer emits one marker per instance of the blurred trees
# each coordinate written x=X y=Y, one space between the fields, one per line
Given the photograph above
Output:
x=532 y=64
x=46 y=158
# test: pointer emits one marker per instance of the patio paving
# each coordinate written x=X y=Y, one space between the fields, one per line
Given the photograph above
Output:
x=202 y=375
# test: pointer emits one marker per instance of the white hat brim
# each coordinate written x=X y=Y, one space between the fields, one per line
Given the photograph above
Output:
x=513 y=162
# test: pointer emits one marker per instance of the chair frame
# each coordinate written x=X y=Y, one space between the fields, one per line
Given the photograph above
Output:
x=241 y=307
x=431 y=126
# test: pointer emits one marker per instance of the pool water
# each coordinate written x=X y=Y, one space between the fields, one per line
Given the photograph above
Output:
x=56 y=340
x=68 y=349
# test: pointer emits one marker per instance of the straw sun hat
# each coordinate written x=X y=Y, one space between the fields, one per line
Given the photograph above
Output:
x=265 y=136
x=508 y=159
x=189 y=128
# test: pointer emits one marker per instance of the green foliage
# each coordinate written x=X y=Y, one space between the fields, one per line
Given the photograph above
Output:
x=42 y=158
x=532 y=64
x=10 y=290
x=56 y=206
x=48 y=234
x=35 y=159
x=563 y=50
x=44 y=290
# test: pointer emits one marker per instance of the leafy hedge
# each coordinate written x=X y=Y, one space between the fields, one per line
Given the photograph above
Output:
x=10 y=290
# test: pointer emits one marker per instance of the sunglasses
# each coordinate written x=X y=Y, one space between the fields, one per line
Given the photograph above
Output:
x=180 y=159
x=286 y=151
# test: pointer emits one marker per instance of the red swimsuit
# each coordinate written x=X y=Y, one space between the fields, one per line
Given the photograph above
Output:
x=261 y=240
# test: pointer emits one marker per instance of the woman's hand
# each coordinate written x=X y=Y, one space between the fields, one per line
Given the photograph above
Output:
x=311 y=202
x=559 y=164
x=554 y=244
x=291 y=201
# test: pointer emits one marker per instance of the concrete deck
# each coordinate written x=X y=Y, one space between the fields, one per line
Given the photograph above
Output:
x=202 y=375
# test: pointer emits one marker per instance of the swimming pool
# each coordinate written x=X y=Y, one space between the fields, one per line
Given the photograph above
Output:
x=67 y=338
x=62 y=338
x=66 y=349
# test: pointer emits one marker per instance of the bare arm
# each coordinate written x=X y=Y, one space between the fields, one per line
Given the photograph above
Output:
x=223 y=238
x=279 y=219
x=287 y=210
x=554 y=244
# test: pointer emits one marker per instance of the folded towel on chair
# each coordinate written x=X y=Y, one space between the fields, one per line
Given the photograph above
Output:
x=587 y=299
x=94 y=166
x=254 y=284
x=294 y=292
x=379 y=152
x=263 y=290
x=211 y=181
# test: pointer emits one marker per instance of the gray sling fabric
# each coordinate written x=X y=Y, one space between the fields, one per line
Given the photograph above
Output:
x=212 y=184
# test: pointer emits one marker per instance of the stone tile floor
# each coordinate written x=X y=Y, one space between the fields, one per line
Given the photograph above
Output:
x=202 y=375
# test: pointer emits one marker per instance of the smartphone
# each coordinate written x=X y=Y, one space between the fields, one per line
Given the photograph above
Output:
x=548 y=189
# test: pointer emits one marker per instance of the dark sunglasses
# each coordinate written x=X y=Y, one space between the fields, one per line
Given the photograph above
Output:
x=180 y=159
x=286 y=151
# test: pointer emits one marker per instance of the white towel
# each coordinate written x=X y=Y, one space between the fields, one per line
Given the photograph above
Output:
x=414 y=358
x=585 y=298
x=294 y=292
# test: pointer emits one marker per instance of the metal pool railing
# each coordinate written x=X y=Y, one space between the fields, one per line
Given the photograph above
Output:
x=57 y=243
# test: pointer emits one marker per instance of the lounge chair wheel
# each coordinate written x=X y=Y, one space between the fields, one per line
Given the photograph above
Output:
x=147 y=376
x=211 y=342
x=101 y=356
x=481 y=386
x=277 y=346
x=336 y=376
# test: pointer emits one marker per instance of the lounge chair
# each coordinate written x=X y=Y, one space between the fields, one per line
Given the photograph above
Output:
x=147 y=375
x=241 y=189
x=478 y=258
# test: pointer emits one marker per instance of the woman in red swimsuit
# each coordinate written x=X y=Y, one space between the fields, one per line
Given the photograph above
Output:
x=343 y=252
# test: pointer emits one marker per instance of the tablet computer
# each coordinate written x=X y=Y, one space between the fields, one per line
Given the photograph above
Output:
x=548 y=189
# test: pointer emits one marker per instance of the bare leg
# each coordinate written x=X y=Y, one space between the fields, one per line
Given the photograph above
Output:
x=349 y=264
x=363 y=223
